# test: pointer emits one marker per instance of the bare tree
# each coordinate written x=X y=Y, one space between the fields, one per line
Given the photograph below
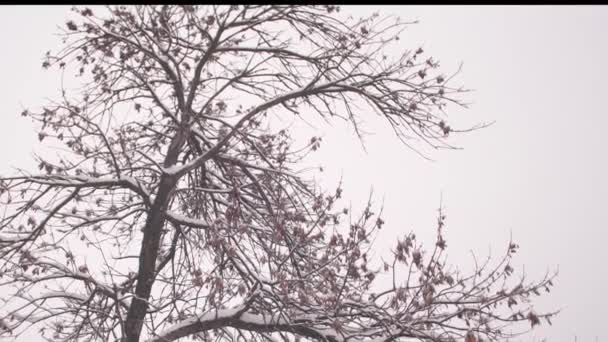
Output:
x=175 y=208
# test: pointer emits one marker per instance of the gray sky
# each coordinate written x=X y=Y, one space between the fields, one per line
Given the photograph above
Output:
x=536 y=174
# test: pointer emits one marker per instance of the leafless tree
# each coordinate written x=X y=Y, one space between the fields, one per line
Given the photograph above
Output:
x=175 y=208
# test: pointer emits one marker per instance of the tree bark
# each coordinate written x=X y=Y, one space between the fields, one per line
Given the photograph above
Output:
x=150 y=243
x=147 y=259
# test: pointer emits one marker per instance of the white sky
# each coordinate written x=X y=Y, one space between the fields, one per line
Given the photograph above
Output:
x=537 y=173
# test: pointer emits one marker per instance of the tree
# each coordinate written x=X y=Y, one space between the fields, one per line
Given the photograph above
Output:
x=177 y=209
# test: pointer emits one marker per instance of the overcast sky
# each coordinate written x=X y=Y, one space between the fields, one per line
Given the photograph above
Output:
x=537 y=174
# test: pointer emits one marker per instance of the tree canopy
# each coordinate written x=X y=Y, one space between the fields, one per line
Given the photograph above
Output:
x=176 y=208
